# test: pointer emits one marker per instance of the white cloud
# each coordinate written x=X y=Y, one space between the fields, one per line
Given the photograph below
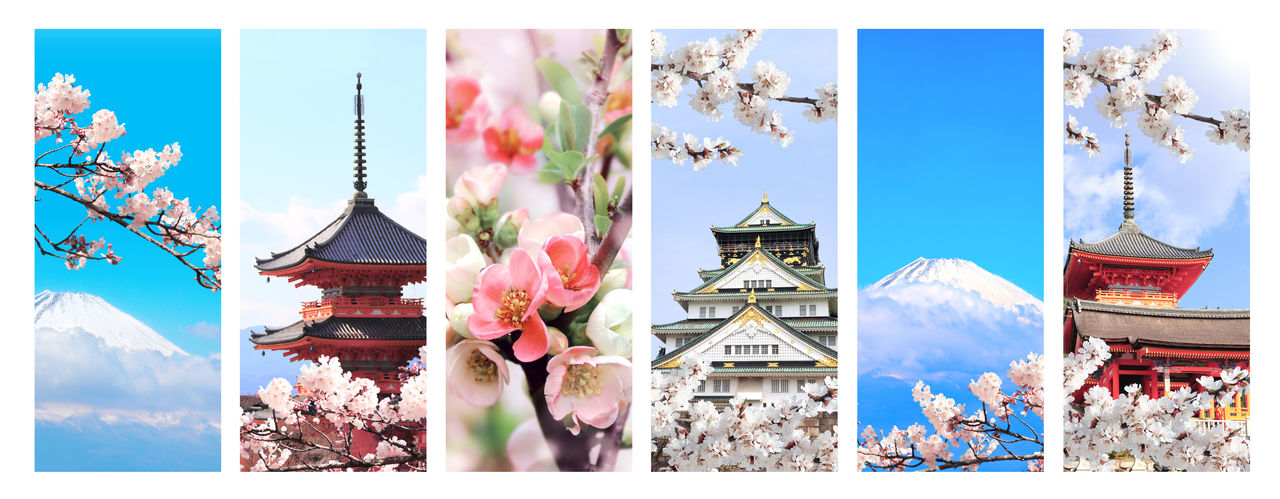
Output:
x=77 y=375
x=1176 y=203
x=942 y=332
x=204 y=330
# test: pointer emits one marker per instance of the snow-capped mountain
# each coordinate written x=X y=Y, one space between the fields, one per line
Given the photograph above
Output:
x=956 y=273
x=67 y=312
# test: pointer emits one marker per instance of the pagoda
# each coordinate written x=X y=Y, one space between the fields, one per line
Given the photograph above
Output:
x=765 y=319
x=360 y=262
x=1125 y=290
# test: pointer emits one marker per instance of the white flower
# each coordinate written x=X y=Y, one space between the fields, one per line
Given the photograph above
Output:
x=771 y=82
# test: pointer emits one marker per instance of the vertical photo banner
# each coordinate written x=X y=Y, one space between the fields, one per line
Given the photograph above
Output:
x=745 y=361
x=1155 y=188
x=538 y=232
x=951 y=250
x=334 y=208
x=128 y=264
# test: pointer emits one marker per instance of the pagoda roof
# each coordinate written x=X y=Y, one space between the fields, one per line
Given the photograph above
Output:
x=782 y=370
x=346 y=328
x=813 y=272
x=751 y=308
x=688 y=326
x=1162 y=326
x=362 y=235
x=710 y=285
x=778 y=220
x=1131 y=242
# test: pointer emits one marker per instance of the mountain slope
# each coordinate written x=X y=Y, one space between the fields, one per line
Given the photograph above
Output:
x=957 y=273
x=70 y=311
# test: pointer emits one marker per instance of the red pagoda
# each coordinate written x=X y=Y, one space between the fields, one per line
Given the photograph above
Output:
x=1125 y=290
x=360 y=262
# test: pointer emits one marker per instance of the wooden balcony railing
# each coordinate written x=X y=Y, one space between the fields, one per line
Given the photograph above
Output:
x=362 y=306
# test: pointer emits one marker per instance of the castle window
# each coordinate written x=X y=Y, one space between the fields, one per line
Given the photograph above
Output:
x=711 y=311
x=779 y=386
x=813 y=310
x=775 y=349
x=728 y=350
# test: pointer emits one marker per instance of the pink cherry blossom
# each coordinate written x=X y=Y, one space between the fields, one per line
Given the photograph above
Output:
x=465 y=109
x=506 y=298
x=480 y=185
x=559 y=223
x=513 y=139
x=590 y=388
x=477 y=372
x=571 y=278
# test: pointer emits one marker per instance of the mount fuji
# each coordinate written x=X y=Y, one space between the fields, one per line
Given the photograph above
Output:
x=943 y=321
x=89 y=314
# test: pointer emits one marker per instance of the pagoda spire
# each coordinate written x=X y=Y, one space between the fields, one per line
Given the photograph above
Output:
x=360 y=184
x=1129 y=222
x=766 y=197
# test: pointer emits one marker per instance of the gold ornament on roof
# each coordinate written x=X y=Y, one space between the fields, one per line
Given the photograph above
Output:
x=751 y=298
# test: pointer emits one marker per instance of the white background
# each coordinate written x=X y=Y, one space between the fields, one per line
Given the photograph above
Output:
x=16 y=88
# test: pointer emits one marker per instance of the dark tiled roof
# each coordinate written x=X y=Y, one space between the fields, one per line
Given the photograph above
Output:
x=347 y=328
x=361 y=235
x=247 y=401
x=704 y=336
x=727 y=370
x=1181 y=327
x=763 y=228
x=1131 y=242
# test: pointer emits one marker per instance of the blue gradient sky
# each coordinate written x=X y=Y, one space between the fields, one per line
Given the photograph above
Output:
x=801 y=178
x=165 y=86
x=950 y=161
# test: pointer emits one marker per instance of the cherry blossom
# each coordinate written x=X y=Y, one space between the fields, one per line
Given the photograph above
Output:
x=506 y=299
x=481 y=185
x=477 y=372
x=590 y=388
x=333 y=416
x=534 y=234
x=513 y=139
x=160 y=218
x=694 y=436
x=465 y=109
x=1125 y=74
x=571 y=279
x=713 y=66
x=463 y=261
x=609 y=326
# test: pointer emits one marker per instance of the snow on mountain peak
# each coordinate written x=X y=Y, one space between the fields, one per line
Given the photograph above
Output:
x=70 y=311
x=957 y=273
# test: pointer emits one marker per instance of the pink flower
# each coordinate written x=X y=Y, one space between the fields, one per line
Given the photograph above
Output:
x=477 y=372
x=591 y=388
x=513 y=139
x=559 y=223
x=506 y=298
x=571 y=278
x=618 y=104
x=465 y=109
x=480 y=185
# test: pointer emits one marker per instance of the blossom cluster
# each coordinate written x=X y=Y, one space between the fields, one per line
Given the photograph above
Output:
x=330 y=413
x=981 y=434
x=695 y=436
x=713 y=66
x=161 y=217
x=508 y=276
x=1126 y=74
x=1100 y=424
x=542 y=294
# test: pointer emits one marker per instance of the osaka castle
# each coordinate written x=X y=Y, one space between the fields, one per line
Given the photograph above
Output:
x=360 y=262
x=765 y=319
x=1125 y=290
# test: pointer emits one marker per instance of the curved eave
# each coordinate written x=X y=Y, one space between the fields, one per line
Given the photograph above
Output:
x=320 y=262
x=763 y=228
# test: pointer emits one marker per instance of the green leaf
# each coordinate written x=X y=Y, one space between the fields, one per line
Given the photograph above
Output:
x=560 y=79
x=618 y=189
x=615 y=126
x=602 y=224
x=565 y=128
x=623 y=155
x=550 y=176
x=548 y=139
x=601 y=194
x=581 y=126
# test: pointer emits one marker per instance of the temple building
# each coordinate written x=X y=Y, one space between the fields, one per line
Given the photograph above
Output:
x=765 y=320
x=360 y=262
x=1125 y=290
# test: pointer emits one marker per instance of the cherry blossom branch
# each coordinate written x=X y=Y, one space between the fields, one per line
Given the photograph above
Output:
x=203 y=275
x=613 y=240
x=748 y=87
x=594 y=99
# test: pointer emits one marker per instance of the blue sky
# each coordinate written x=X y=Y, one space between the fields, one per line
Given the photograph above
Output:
x=1204 y=202
x=950 y=161
x=296 y=137
x=801 y=178
x=165 y=86
x=950 y=165
x=102 y=408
